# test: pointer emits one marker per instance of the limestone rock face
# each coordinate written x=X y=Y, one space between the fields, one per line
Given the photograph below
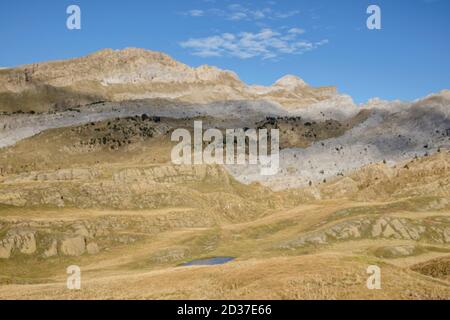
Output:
x=73 y=246
x=133 y=74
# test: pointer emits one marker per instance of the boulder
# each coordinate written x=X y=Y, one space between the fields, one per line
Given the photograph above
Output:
x=378 y=227
x=446 y=234
x=389 y=232
x=5 y=249
x=92 y=248
x=52 y=250
x=73 y=246
x=81 y=230
x=396 y=251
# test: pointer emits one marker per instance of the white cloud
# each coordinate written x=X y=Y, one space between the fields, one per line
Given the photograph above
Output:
x=258 y=14
x=237 y=16
x=284 y=15
x=265 y=44
x=195 y=13
x=296 y=31
x=238 y=12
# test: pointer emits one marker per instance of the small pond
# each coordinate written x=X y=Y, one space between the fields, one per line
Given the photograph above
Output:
x=208 y=261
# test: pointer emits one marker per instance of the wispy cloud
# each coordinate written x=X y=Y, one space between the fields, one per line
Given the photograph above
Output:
x=288 y=14
x=296 y=31
x=237 y=12
x=195 y=13
x=266 y=44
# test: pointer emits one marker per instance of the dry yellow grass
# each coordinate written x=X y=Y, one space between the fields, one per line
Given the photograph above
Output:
x=320 y=276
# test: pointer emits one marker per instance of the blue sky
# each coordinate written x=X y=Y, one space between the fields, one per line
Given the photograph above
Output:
x=325 y=42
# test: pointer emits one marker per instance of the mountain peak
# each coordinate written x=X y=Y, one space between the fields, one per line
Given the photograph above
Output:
x=133 y=54
x=290 y=81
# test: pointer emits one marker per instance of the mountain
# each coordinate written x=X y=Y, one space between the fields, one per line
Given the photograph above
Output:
x=134 y=74
x=87 y=179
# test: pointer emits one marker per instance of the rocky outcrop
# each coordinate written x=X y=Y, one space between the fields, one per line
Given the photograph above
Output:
x=53 y=239
x=58 y=175
x=18 y=240
x=434 y=231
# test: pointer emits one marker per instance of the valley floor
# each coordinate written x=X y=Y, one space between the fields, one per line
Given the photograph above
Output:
x=271 y=262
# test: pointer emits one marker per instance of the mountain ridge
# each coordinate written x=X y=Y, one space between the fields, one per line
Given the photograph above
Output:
x=134 y=74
